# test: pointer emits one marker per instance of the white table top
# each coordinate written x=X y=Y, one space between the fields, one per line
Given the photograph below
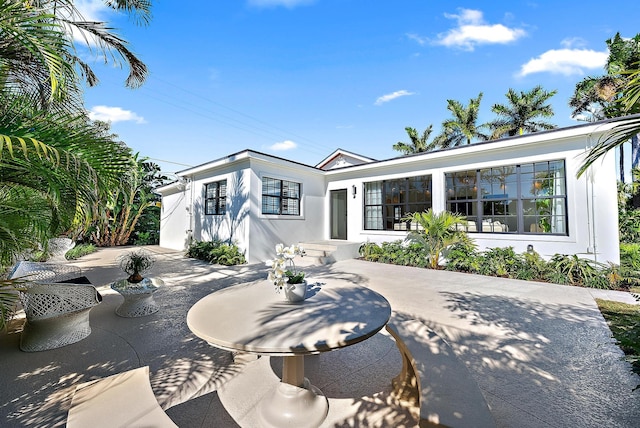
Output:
x=254 y=318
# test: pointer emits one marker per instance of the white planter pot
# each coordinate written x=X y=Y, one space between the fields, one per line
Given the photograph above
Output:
x=295 y=292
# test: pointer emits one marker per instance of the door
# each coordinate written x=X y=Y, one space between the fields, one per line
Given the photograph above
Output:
x=339 y=214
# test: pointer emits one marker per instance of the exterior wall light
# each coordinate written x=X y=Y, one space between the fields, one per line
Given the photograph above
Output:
x=354 y=190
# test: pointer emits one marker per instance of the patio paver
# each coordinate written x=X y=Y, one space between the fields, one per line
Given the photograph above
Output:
x=541 y=354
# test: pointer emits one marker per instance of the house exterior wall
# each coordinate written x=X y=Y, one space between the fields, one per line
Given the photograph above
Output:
x=591 y=199
x=265 y=231
x=174 y=218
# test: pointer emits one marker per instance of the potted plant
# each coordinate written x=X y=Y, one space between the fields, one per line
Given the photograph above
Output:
x=284 y=274
x=135 y=263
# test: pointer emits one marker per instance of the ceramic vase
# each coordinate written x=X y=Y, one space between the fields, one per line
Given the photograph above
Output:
x=295 y=292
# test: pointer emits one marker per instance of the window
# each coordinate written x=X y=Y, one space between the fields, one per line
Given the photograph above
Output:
x=215 y=201
x=280 y=197
x=387 y=202
x=526 y=198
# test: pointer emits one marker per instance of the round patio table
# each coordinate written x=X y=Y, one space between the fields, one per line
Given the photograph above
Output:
x=138 y=297
x=253 y=318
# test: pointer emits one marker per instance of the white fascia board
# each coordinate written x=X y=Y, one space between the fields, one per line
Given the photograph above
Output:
x=541 y=138
x=215 y=164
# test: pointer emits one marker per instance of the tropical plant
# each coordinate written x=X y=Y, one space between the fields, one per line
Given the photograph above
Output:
x=80 y=250
x=615 y=94
x=573 y=270
x=33 y=52
x=522 y=113
x=502 y=262
x=534 y=267
x=462 y=128
x=370 y=251
x=216 y=252
x=463 y=256
x=436 y=233
x=419 y=143
x=48 y=190
x=8 y=300
x=118 y=214
x=135 y=263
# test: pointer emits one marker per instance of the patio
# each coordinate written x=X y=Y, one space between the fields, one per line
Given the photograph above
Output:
x=541 y=354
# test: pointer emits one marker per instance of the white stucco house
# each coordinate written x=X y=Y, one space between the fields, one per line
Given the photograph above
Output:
x=520 y=191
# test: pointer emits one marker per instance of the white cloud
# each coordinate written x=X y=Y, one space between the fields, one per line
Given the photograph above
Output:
x=392 y=96
x=472 y=31
x=565 y=61
x=114 y=114
x=275 y=3
x=417 y=38
x=284 y=145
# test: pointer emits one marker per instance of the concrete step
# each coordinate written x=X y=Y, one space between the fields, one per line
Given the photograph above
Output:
x=330 y=251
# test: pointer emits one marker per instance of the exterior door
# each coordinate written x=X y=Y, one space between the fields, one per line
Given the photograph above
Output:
x=339 y=214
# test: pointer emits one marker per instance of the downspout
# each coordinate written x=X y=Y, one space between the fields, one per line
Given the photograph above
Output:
x=189 y=207
x=591 y=211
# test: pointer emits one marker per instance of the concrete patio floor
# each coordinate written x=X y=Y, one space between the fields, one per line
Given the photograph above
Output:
x=541 y=354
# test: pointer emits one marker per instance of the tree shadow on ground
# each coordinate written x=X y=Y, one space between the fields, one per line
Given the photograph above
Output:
x=555 y=363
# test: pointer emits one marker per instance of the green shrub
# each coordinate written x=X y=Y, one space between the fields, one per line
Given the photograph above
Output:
x=463 y=256
x=628 y=273
x=573 y=270
x=502 y=262
x=534 y=267
x=217 y=252
x=79 y=251
x=370 y=251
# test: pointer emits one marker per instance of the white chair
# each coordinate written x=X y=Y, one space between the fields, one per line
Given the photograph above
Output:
x=57 y=314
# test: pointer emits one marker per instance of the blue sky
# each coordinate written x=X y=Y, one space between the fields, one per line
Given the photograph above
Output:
x=301 y=78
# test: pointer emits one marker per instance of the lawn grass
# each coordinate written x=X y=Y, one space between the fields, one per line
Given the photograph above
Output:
x=624 y=322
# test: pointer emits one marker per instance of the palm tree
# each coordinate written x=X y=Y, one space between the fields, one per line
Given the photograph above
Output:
x=462 y=128
x=437 y=232
x=600 y=97
x=629 y=104
x=418 y=143
x=522 y=112
x=32 y=51
x=48 y=189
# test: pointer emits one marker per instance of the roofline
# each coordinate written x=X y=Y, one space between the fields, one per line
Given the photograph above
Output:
x=241 y=155
x=250 y=153
x=538 y=136
x=337 y=152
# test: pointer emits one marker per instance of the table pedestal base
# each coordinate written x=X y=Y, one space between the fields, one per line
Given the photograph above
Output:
x=137 y=305
x=293 y=406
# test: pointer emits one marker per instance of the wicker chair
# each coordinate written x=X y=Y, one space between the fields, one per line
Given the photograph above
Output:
x=57 y=313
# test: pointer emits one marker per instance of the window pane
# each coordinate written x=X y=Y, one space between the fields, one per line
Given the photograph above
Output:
x=270 y=186
x=373 y=193
x=373 y=217
x=270 y=205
